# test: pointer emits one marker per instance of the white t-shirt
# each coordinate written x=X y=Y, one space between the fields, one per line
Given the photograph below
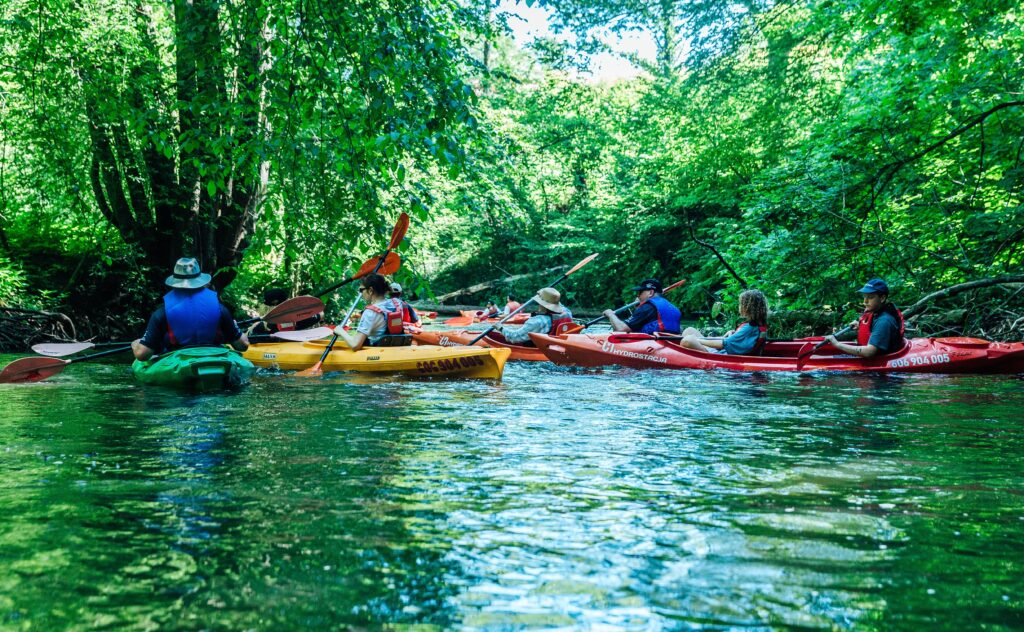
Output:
x=375 y=325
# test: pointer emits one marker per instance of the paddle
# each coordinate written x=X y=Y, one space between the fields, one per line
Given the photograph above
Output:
x=532 y=300
x=38 y=368
x=391 y=264
x=401 y=226
x=808 y=349
x=292 y=310
x=579 y=328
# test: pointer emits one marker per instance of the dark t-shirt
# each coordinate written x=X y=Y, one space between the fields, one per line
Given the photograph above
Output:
x=157 y=329
x=643 y=315
x=885 y=333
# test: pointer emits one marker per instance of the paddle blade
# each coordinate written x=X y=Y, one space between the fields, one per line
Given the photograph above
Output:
x=57 y=350
x=582 y=263
x=31 y=370
x=398 y=234
x=392 y=262
x=313 y=371
x=303 y=335
x=294 y=310
x=674 y=286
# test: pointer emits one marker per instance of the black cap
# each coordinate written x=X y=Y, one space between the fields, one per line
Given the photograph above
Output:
x=875 y=286
x=274 y=296
x=649 y=284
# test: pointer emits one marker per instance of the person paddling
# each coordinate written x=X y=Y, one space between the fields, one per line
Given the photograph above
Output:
x=552 y=318
x=489 y=311
x=510 y=306
x=879 y=329
x=748 y=339
x=409 y=315
x=381 y=321
x=191 y=316
x=655 y=313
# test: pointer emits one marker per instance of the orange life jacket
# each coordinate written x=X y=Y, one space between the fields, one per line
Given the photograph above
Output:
x=392 y=317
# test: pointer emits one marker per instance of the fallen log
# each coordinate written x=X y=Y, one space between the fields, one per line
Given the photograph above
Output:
x=952 y=290
x=488 y=285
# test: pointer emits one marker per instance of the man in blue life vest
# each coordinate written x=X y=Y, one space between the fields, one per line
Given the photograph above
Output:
x=879 y=328
x=191 y=316
x=655 y=314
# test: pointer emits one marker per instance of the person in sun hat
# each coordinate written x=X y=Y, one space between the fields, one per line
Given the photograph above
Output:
x=409 y=315
x=191 y=316
x=880 y=328
x=654 y=314
x=552 y=318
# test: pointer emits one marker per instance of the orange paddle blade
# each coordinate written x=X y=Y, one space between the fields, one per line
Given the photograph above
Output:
x=392 y=262
x=582 y=263
x=313 y=371
x=31 y=370
x=294 y=310
x=398 y=234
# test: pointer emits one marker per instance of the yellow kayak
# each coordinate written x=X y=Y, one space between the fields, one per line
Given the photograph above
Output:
x=422 y=360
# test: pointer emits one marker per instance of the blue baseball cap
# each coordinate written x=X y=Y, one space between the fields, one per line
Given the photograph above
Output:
x=875 y=286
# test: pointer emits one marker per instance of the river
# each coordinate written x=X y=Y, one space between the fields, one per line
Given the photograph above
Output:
x=595 y=499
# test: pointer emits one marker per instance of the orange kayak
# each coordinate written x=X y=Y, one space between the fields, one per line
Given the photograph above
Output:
x=461 y=337
x=469 y=318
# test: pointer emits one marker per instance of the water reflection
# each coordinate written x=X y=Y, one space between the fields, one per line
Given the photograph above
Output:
x=558 y=498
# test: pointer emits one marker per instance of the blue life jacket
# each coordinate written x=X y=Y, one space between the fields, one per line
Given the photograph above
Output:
x=668 y=317
x=193 y=318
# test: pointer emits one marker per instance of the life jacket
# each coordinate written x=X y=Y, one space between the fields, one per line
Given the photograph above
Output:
x=560 y=323
x=193 y=318
x=512 y=306
x=393 y=317
x=762 y=339
x=404 y=308
x=864 y=323
x=668 y=317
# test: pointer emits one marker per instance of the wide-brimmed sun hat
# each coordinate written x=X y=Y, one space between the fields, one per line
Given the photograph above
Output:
x=187 y=275
x=550 y=298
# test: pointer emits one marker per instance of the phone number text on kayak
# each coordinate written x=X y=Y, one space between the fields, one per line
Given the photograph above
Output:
x=919 y=360
x=448 y=364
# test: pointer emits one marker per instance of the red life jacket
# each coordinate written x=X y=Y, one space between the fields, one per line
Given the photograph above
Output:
x=864 y=326
x=762 y=339
x=392 y=318
x=562 y=324
x=404 y=308
x=512 y=306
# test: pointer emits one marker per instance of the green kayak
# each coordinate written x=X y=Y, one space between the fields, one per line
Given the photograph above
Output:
x=196 y=368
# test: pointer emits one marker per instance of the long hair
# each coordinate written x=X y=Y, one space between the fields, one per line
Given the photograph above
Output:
x=754 y=307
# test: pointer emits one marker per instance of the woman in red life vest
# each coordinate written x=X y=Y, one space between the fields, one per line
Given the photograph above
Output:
x=552 y=318
x=510 y=306
x=380 y=318
x=879 y=328
x=191 y=316
x=489 y=311
x=747 y=339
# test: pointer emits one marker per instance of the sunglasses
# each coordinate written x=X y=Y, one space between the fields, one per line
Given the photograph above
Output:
x=364 y=289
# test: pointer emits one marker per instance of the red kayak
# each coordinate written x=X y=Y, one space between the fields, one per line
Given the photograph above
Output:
x=459 y=337
x=469 y=318
x=920 y=355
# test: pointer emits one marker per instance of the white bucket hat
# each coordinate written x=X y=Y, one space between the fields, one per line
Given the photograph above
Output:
x=187 y=275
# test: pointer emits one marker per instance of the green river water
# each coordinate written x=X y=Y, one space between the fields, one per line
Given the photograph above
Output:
x=557 y=498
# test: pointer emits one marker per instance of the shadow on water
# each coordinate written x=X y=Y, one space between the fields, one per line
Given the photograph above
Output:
x=557 y=498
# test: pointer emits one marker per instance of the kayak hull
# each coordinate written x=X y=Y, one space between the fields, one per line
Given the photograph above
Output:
x=468 y=318
x=920 y=355
x=196 y=369
x=462 y=337
x=419 y=361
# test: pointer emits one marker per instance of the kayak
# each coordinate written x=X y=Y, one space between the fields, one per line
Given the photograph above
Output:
x=494 y=340
x=426 y=361
x=196 y=368
x=468 y=318
x=919 y=355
